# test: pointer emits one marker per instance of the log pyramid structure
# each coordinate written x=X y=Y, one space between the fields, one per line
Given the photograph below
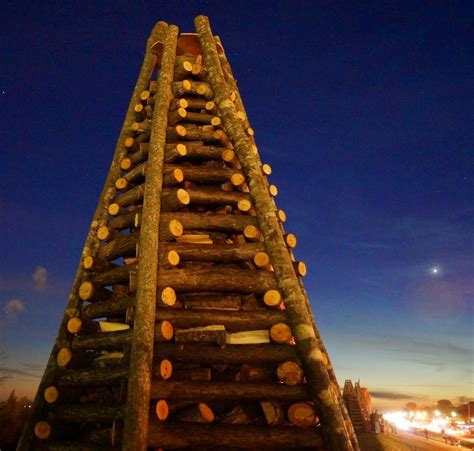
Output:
x=188 y=325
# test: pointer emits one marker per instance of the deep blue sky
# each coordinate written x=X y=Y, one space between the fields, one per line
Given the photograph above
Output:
x=363 y=109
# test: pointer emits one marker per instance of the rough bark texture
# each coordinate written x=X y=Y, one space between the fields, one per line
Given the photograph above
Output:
x=137 y=409
x=332 y=420
x=92 y=243
x=232 y=436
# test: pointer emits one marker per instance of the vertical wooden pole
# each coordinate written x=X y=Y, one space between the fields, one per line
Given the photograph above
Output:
x=91 y=244
x=135 y=433
x=229 y=76
x=332 y=421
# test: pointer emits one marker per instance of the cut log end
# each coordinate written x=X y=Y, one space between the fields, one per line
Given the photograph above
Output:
x=114 y=209
x=180 y=130
x=173 y=258
x=181 y=149
x=187 y=85
x=237 y=179
x=273 y=190
x=63 y=357
x=86 y=291
x=162 y=410
x=168 y=296
x=126 y=164
x=244 y=205
x=103 y=233
x=51 y=394
x=210 y=105
x=272 y=298
x=300 y=268
x=183 y=196
x=261 y=259
x=290 y=240
x=165 y=369
x=215 y=121
x=206 y=412
x=228 y=155
x=88 y=262
x=74 y=325
x=280 y=333
x=290 y=373
x=266 y=169
x=42 y=430
x=121 y=183
x=302 y=414
x=164 y=331
x=252 y=233
x=281 y=215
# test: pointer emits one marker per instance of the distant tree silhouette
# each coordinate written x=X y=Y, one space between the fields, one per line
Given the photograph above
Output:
x=445 y=406
x=3 y=372
x=13 y=414
x=411 y=407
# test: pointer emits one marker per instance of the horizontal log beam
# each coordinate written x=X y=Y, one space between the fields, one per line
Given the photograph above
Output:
x=233 y=321
x=108 y=308
x=204 y=174
x=222 y=223
x=232 y=355
x=168 y=435
x=221 y=391
x=102 y=340
x=92 y=377
x=217 y=279
x=85 y=413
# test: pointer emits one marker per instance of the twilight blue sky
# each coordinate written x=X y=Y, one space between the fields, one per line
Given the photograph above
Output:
x=363 y=109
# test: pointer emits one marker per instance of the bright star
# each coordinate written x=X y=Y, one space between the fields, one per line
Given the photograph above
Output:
x=434 y=270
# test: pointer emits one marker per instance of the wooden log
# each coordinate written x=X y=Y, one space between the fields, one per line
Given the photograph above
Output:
x=208 y=334
x=178 y=103
x=183 y=70
x=92 y=377
x=145 y=95
x=208 y=152
x=204 y=174
x=175 y=199
x=232 y=321
x=166 y=296
x=335 y=433
x=162 y=410
x=290 y=240
x=236 y=416
x=140 y=112
x=272 y=298
x=232 y=436
x=224 y=253
x=280 y=333
x=208 y=195
x=234 y=355
x=195 y=103
x=261 y=260
x=102 y=340
x=193 y=374
x=132 y=143
x=131 y=196
x=173 y=176
x=107 y=308
x=93 y=292
x=281 y=215
x=204 y=301
x=81 y=324
x=42 y=430
x=248 y=337
x=181 y=88
x=85 y=413
x=222 y=391
x=199 y=413
x=51 y=394
x=253 y=373
x=214 y=222
x=273 y=412
x=175 y=152
x=216 y=279
x=125 y=220
x=122 y=246
x=251 y=233
x=105 y=233
x=188 y=133
x=163 y=370
x=141 y=355
x=290 y=373
x=302 y=414
x=117 y=275
x=300 y=268
x=164 y=331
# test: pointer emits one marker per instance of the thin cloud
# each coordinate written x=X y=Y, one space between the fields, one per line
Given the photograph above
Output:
x=12 y=309
x=390 y=395
x=40 y=279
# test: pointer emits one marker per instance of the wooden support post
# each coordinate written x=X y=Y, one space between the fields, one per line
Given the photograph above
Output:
x=137 y=408
x=333 y=427
x=92 y=243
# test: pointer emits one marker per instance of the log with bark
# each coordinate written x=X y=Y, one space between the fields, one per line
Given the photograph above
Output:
x=207 y=334
x=302 y=414
x=233 y=355
x=211 y=301
x=232 y=321
x=221 y=391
